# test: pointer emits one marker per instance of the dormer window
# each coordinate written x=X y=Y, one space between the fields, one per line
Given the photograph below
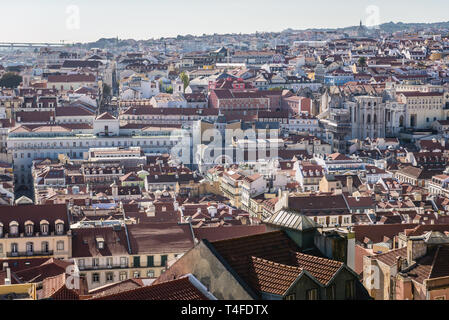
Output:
x=44 y=227
x=14 y=228
x=59 y=226
x=29 y=228
x=100 y=242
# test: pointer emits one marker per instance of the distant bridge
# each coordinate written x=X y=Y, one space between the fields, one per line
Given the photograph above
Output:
x=32 y=44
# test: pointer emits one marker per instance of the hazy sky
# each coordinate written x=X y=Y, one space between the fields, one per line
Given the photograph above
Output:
x=89 y=20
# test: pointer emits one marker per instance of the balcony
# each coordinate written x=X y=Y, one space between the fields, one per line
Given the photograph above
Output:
x=29 y=253
x=103 y=267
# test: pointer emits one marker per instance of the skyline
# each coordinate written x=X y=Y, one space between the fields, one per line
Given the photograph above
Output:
x=84 y=21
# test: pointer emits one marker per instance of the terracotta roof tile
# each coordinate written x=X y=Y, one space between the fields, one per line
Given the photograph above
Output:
x=272 y=277
x=180 y=289
x=390 y=257
x=321 y=268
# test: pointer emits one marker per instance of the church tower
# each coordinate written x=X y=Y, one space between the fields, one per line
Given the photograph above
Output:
x=178 y=87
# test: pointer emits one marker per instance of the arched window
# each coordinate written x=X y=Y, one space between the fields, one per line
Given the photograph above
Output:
x=375 y=119
x=368 y=119
x=29 y=228
x=14 y=228
x=59 y=226
x=44 y=227
x=401 y=121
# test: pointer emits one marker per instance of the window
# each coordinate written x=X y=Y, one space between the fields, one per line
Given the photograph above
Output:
x=109 y=276
x=45 y=246
x=330 y=292
x=150 y=261
x=95 y=262
x=29 y=247
x=14 y=248
x=95 y=277
x=29 y=228
x=136 y=262
x=1 y=248
x=150 y=273
x=164 y=260
x=81 y=263
x=14 y=228
x=136 y=274
x=349 y=289
x=312 y=294
x=59 y=228
x=44 y=227
x=290 y=297
x=109 y=262
x=60 y=245
x=123 y=262
x=122 y=276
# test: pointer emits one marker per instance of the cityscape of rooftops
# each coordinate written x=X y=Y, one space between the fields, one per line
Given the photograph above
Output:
x=239 y=151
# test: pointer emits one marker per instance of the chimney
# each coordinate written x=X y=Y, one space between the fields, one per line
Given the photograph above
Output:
x=175 y=205
x=114 y=187
x=212 y=211
x=350 y=184
x=151 y=210
x=8 y=276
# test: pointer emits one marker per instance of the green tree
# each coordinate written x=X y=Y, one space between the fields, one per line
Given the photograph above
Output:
x=106 y=90
x=10 y=80
x=185 y=79
x=362 y=62
x=169 y=90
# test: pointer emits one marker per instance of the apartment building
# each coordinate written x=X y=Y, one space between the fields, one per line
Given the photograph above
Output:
x=35 y=231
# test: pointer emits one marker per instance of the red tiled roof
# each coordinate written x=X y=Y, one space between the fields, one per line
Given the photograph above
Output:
x=118 y=287
x=272 y=277
x=84 y=243
x=223 y=233
x=50 y=268
x=105 y=116
x=160 y=238
x=321 y=268
x=71 y=78
x=434 y=264
x=420 y=94
x=280 y=252
x=376 y=232
x=390 y=257
x=72 y=111
x=34 y=213
x=418 y=230
x=338 y=156
x=180 y=289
